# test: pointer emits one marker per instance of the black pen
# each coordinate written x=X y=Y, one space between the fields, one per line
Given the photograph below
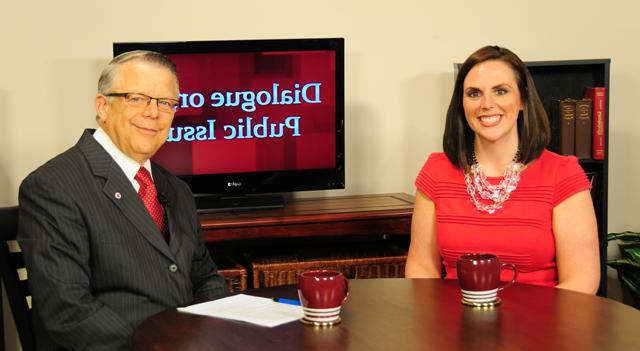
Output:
x=287 y=301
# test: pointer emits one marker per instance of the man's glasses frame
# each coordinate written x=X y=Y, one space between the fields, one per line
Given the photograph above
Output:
x=139 y=100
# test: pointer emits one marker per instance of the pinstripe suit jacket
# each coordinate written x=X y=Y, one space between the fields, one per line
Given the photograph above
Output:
x=97 y=264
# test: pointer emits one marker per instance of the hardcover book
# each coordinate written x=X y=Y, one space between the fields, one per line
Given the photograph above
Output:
x=565 y=126
x=598 y=113
x=583 y=128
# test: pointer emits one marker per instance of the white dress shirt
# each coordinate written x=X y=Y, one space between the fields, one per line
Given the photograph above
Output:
x=129 y=166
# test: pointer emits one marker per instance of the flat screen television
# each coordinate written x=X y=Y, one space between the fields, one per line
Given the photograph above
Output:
x=257 y=118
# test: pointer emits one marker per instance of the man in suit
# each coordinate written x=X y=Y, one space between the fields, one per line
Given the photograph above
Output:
x=109 y=237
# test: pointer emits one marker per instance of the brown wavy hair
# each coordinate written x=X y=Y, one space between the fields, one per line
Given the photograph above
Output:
x=533 y=123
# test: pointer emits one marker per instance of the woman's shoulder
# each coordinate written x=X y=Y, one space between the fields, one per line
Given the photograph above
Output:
x=437 y=158
x=563 y=173
x=551 y=163
x=437 y=163
x=551 y=159
x=435 y=169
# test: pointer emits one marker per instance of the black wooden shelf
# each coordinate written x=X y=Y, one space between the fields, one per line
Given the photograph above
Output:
x=568 y=79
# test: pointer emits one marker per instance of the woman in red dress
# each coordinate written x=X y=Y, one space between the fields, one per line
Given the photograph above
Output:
x=496 y=189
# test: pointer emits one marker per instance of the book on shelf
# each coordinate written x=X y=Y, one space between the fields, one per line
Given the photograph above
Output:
x=598 y=112
x=583 y=129
x=565 y=125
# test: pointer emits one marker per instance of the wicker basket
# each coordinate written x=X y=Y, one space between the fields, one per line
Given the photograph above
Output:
x=233 y=272
x=284 y=270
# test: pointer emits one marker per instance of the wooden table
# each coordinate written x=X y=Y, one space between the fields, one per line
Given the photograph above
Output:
x=416 y=314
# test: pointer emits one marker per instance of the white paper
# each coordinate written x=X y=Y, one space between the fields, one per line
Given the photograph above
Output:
x=255 y=310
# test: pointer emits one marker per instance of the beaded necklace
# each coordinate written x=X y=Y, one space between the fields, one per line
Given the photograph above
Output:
x=477 y=185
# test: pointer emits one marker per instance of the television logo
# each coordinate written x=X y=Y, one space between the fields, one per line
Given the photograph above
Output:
x=234 y=184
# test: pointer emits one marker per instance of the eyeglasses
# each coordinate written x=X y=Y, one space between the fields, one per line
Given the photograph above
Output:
x=139 y=100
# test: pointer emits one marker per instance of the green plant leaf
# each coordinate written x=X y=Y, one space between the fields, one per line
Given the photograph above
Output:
x=632 y=286
x=630 y=252
x=631 y=275
x=624 y=263
x=626 y=267
x=625 y=236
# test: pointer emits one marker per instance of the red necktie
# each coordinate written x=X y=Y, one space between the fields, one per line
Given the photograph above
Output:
x=149 y=197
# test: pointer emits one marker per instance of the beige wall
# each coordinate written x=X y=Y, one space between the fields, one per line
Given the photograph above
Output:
x=399 y=73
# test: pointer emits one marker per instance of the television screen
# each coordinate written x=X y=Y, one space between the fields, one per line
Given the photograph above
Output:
x=255 y=116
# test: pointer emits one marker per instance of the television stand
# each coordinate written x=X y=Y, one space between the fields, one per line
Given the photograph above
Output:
x=313 y=217
x=218 y=203
x=313 y=229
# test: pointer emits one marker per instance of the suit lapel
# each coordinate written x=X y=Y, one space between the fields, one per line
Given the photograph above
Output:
x=119 y=190
x=164 y=190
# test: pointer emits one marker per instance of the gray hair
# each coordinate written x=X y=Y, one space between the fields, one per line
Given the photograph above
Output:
x=110 y=72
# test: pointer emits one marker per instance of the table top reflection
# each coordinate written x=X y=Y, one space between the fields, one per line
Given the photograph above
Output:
x=415 y=314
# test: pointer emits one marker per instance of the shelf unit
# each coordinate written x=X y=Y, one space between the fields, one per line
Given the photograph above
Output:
x=567 y=79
